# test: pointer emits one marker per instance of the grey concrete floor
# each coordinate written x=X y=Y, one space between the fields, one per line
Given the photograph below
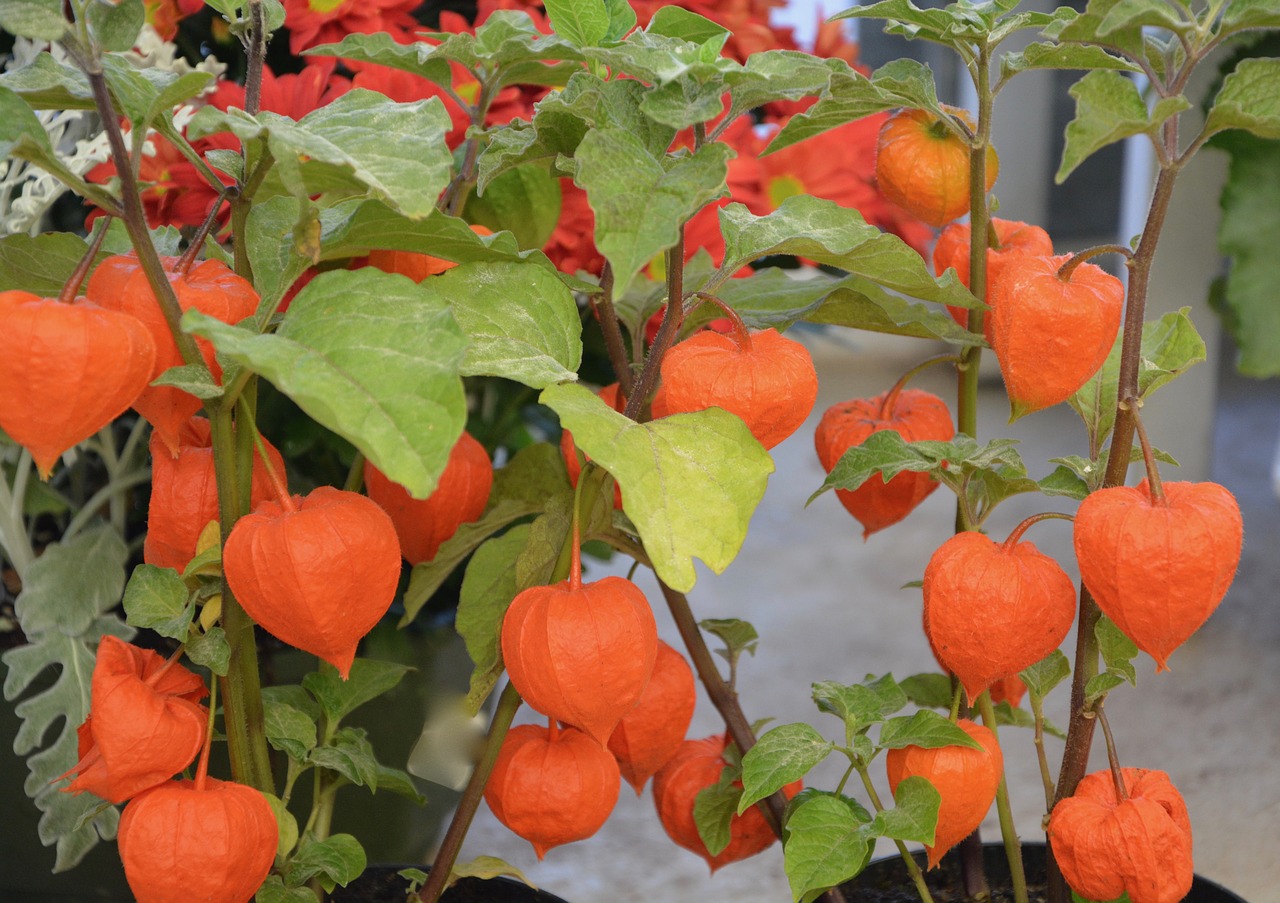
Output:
x=830 y=607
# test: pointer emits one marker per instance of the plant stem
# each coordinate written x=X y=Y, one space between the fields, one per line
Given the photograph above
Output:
x=891 y=397
x=1008 y=830
x=613 y=343
x=256 y=47
x=1113 y=758
x=14 y=541
x=1022 y=528
x=666 y=332
x=72 y=287
x=1069 y=265
x=442 y=865
x=1037 y=711
x=913 y=869
x=1154 y=484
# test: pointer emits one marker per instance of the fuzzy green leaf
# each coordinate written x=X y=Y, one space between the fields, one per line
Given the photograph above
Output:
x=926 y=729
x=71 y=584
x=40 y=20
x=914 y=816
x=157 y=598
x=1046 y=674
x=783 y=755
x=1049 y=55
x=487 y=590
x=289 y=730
x=1249 y=100
x=274 y=891
x=211 y=650
x=525 y=201
x=713 y=811
x=371 y=356
x=1241 y=14
x=886 y=454
x=115 y=26
x=1117 y=650
x=40 y=265
x=690 y=482
x=825 y=845
x=928 y=690
x=738 y=636
x=369 y=679
x=338 y=859
x=1109 y=108
x=350 y=754
x=584 y=22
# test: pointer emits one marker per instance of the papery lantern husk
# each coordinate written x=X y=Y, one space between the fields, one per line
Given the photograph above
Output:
x=1050 y=335
x=1158 y=571
x=772 y=386
x=460 y=497
x=1140 y=846
x=991 y=610
x=696 y=766
x=966 y=779
x=552 y=789
x=650 y=734
x=318 y=578
x=1017 y=239
x=66 y=371
x=184 y=493
x=915 y=415
x=142 y=728
x=210 y=287
x=180 y=844
x=581 y=656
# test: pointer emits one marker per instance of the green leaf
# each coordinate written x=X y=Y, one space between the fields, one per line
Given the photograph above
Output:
x=40 y=20
x=40 y=265
x=738 y=635
x=783 y=755
x=194 y=379
x=289 y=730
x=72 y=584
x=487 y=590
x=1170 y=346
x=397 y=781
x=1118 y=651
x=521 y=321
x=684 y=102
x=1007 y=714
x=156 y=598
x=274 y=891
x=826 y=233
x=638 y=203
x=849 y=95
x=1094 y=27
x=1049 y=55
x=22 y=136
x=381 y=48
x=1109 y=108
x=859 y=706
x=524 y=200
x=858 y=303
x=584 y=22
x=928 y=690
x=286 y=825
x=371 y=356
x=675 y=22
x=350 y=754
x=338 y=859
x=926 y=729
x=369 y=679
x=914 y=816
x=659 y=59
x=115 y=26
x=395 y=152
x=690 y=482
x=1241 y=14
x=1100 y=685
x=771 y=75
x=488 y=866
x=48 y=84
x=1249 y=234
x=1046 y=674
x=1249 y=100
x=211 y=650
x=825 y=845
x=1067 y=481
x=713 y=812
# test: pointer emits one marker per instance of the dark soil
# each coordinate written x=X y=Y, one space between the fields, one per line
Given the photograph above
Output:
x=384 y=885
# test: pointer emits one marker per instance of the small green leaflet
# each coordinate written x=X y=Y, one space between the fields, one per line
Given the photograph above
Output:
x=783 y=755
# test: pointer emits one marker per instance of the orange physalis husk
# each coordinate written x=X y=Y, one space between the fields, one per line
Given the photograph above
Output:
x=923 y=166
x=184 y=493
x=612 y=396
x=583 y=654
x=414 y=264
x=992 y=609
x=144 y=726
x=1140 y=846
x=771 y=384
x=318 y=576
x=66 y=371
x=1017 y=239
x=1051 y=335
x=651 y=733
x=209 y=286
x=913 y=414
x=1159 y=570
x=460 y=497
x=1009 y=689
x=696 y=766
x=965 y=778
x=552 y=786
x=180 y=842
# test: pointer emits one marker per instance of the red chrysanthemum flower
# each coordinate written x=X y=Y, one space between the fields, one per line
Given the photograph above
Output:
x=293 y=95
x=572 y=246
x=315 y=22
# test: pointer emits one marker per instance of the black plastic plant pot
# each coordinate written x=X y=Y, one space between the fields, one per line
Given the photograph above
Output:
x=383 y=884
x=886 y=880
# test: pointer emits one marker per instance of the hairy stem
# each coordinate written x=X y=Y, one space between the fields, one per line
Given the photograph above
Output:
x=666 y=332
x=1008 y=831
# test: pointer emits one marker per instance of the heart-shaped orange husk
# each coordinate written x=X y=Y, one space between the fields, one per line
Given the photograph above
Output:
x=552 y=788
x=923 y=167
x=1017 y=239
x=184 y=493
x=1159 y=570
x=771 y=384
x=697 y=765
x=66 y=371
x=965 y=778
x=318 y=577
x=215 y=844
x=913 y=414
x=460 y=497
x=651 y=733
x=581 y=656
x=1051 y=335
x=145 y=724
x=992 y=609
x=1140 y=846
x=210 y=287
